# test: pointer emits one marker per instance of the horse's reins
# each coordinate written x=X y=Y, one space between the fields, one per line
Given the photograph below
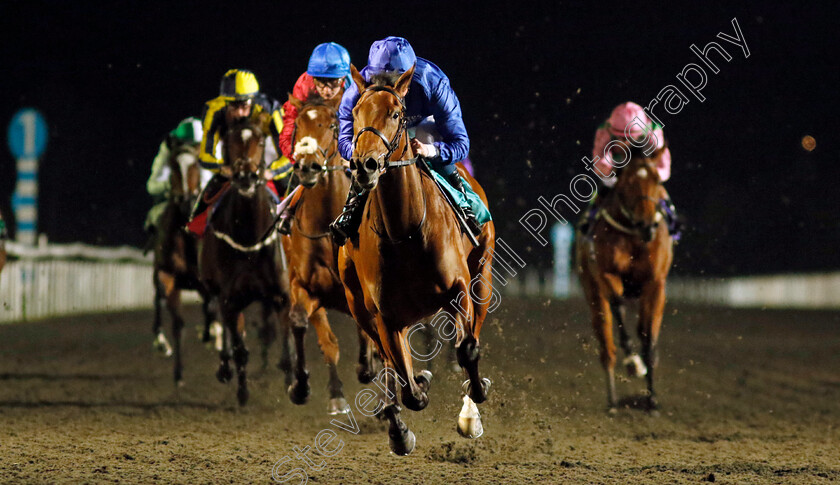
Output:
x=392 y=146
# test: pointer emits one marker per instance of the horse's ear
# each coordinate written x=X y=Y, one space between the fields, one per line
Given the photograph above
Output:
x=357 y=78
x=403 y=83
x=295 y=102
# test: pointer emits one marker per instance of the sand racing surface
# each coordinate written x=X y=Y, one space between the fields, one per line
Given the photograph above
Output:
x=748 y=396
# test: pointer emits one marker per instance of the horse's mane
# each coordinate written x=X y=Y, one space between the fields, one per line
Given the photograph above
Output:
x=385 y=79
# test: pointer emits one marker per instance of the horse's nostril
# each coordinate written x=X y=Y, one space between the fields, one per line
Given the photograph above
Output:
x=353 y=164
x=371 y=165
x=315 y=167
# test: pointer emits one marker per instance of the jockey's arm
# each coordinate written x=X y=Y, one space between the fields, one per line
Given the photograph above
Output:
x=158 y=183
x=281 y=167
x=345 y=122
x=212 y=120
x=455 y=143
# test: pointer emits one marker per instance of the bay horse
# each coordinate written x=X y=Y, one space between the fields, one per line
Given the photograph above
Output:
x=628 y=257
x=176 y=256
x=410 y=258
x=314 y=283
x=240 y=258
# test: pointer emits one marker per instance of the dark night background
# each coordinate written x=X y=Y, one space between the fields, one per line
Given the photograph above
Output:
x=534 y=82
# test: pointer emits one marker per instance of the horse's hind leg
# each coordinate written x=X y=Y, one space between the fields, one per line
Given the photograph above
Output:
x=267 y=332
x=365 y=369
x=650 y=322
x=212 y=334
x=400 y=438
x=329 y=347
x=240 y=357
x=632 y=362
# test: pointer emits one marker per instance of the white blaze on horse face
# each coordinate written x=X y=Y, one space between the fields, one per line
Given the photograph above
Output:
x=306 y=146
x=246 y=135
x=642 y=173
x=312 y=114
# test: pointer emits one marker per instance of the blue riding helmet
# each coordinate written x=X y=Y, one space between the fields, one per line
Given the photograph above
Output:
x=390 y=54
x=329 y=60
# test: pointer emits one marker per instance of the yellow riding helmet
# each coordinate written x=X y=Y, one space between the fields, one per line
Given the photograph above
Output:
x=238 y=85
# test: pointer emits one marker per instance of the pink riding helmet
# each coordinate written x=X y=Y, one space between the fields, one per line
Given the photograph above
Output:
x=622 y=116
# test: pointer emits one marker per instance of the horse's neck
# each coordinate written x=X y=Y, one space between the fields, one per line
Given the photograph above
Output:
x=400 y=202
x=246 y=219
x=323 y=203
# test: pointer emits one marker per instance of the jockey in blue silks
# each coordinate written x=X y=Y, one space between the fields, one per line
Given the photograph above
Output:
x=429 y=95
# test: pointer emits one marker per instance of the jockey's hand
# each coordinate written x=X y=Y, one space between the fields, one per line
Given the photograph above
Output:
x=267 y=174
x=226 y=171
x=425 y=149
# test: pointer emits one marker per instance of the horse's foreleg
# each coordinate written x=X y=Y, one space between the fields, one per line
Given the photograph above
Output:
x=160 y=344
x=414 y=389
x=229 y=321
x=173 y=304
x=650 y=322
x=240 y=357
x=299 y=389
x=329 y=347
x=467 y=346
x=400 y=438
x=603 y=325
x=632 y=362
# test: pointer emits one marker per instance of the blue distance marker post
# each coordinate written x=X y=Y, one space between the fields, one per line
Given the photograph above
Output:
x=27 y=140
x=561 y=240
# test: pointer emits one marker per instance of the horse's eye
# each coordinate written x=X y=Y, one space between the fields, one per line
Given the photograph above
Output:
x=396 y=115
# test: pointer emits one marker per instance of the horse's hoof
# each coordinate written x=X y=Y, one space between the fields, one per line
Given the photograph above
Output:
x=634 y=365
x=402 y=443
x=364 y=374
x=612 y=410
x=469 y=420
x=414 y=403
x=481 y=395
x=299 y=393
x=338 y=405
x=654 y=413
x=424 y=380
x=224 y=374
x=242 y=395
x=161 y=345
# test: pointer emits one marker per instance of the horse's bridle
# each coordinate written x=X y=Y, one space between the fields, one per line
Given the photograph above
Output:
x=327 y=157
x=637 y=227
x=394 y=143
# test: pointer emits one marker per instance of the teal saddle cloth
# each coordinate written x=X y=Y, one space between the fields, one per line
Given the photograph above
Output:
x=482 y=213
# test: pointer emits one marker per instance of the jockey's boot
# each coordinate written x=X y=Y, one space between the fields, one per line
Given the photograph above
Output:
x=347 y=224
x=151 y=230
x=209 y=190
x=457 y=183
x=288 y=215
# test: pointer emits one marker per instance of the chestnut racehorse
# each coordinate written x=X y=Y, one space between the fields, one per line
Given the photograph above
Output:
x=410 y=258
x=628 y=257
x=241 y=260
x=314 y=284
x=176 y=255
